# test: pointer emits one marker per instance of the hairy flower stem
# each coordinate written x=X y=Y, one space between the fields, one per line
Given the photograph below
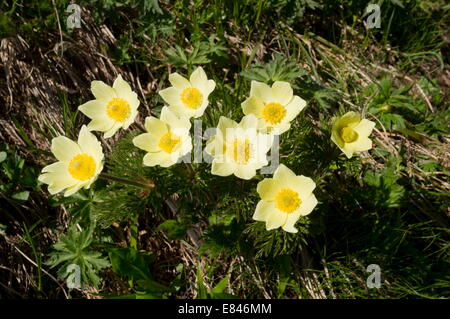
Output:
x=147 y=185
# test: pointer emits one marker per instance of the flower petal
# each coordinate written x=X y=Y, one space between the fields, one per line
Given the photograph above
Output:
x=153 y=159
x=183 y=111
x=175 y=122
x=170 y=160
x=348 y=152
x=263 y=210
x=59 y=185
x=199 y=112
x=290 y=222
x=249 y=122
x=282 y=92
x=94 y=109
x=308 y=205
x=122 y=87
x=264 y=143
x=294 y=108
x=225 y=123
x=280 y=128
x=186 y=145
x=155 y=126
x=57 y=167
x=275 y=219
x=245 y=171
x=303 y=185
x=262 y=91
x=364 y=128
x=102 y=91
x=57 y=177
x=335 y=137
x=101 y=125
x=146 y=142
x=268 y=188
x=73 y=189
x=350 y=118
x=198 y=78
x=64 y=149
x=253 y=105
x=222 y=169
x=89 y=144
x=209 y=87
x=283 y=174
x=179 y=81
x=210 y=146
x=130 y=119
x=116 y=126
x=171 y=96
x=360 y=145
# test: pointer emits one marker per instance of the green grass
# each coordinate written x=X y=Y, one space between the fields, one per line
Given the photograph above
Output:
x=192 y=236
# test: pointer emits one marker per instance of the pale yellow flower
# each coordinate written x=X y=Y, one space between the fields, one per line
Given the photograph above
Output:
x=113 y=108
x=79 y=163
x=167 y=139
x=351 y=133
x=188 y=97
x=238 y=148
x=275 y=107
x=284 y=198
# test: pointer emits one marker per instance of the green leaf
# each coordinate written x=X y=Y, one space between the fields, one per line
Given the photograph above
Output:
x=152 y=6
x=151 y=286
x=73 y=249
x=221 y=286
x=201 y=288
x=173 y=228
x=29 y=177
x=2 y=156
x=23 y=196
x=131 y=262
x=279 y=69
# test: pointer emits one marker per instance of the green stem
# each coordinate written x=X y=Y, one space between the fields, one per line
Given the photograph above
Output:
x=149 y=185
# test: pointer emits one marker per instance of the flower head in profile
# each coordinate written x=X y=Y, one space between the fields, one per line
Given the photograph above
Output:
x=238 y=149
x=167 y=139
x=113 y=108
x=79 y=163
x=275 y=107
x=351 y=133
x=284 y=198
x=188 y=97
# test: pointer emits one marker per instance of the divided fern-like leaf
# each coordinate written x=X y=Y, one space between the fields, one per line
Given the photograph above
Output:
x=74 y=249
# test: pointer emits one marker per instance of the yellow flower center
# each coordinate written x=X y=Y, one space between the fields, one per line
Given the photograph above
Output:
x=118 y=109
x=287 y=200
x=168 y=142
x=240 y=151
x=82 y=167
x=348 y=135
x=273 y=112
x=191 y=98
